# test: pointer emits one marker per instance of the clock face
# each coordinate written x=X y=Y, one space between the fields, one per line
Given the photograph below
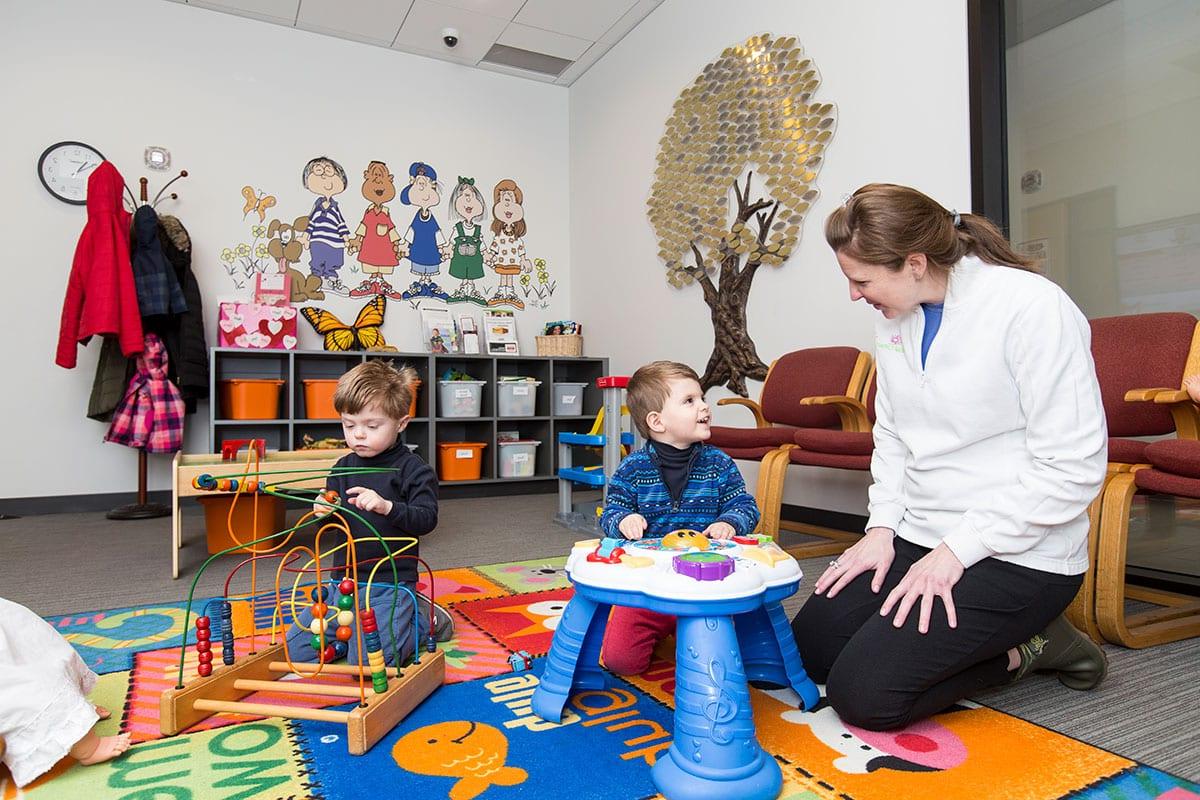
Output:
x=64 y=169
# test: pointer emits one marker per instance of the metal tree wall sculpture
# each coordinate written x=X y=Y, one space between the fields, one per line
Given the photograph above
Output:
x=750 y=110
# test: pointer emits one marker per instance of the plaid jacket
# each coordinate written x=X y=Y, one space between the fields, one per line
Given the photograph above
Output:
x=715 y=492
x=150 y=416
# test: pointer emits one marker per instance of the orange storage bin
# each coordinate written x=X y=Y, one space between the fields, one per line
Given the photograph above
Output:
x=416 y=390
x=250 y=398
x=460 y=461
x=216 y=520
x=318 y=398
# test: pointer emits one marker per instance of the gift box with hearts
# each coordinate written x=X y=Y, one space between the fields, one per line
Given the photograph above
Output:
x=256 y=326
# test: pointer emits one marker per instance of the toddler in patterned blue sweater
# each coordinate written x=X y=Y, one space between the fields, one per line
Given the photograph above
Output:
x=676 y=481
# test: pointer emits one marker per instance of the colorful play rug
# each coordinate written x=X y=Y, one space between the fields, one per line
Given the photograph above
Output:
x=476 y=737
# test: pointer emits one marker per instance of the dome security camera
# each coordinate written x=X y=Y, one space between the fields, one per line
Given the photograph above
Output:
x=450 y=37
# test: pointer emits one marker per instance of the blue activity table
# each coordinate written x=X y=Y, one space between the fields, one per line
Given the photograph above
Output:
x=730 y=629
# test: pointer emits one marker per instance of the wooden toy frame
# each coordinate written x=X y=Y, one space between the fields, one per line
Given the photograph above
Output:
x=181 y=708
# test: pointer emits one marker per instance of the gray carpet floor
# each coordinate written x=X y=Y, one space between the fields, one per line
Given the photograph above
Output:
x=1147 y=710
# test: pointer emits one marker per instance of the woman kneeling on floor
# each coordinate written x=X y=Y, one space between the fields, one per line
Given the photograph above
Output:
x=990 y=443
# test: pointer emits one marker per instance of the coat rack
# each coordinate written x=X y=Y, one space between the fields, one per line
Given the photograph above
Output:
x=143 y=508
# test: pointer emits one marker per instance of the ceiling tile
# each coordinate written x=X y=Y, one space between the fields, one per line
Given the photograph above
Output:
x=503 y=9
x=584 y=19
x=423 y=27
x=540 y=41
x=630 y=21
x=271 y=10
x=365 y=20
x=504 y=69
x=581 y=65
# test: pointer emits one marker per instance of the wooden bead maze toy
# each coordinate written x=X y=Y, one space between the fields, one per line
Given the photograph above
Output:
x=384 y=694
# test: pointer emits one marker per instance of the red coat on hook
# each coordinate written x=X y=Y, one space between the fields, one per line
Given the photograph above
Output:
x=101 y=298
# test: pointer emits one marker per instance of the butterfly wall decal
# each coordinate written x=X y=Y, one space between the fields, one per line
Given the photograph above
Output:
x=256 y=202
x=365 y=334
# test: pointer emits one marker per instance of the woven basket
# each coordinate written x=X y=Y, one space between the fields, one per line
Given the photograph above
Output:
x=568 y=345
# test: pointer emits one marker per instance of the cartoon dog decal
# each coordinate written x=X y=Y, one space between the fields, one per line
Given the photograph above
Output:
x=286 y=247
x=926 y=746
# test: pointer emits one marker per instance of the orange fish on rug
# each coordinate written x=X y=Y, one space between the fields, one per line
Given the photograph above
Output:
x=470 y=751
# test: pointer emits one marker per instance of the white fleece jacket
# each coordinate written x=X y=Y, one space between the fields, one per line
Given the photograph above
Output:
x=999 y=444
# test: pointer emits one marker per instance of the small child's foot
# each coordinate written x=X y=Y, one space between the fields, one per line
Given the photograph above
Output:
x=107 y=748
x=103 y=712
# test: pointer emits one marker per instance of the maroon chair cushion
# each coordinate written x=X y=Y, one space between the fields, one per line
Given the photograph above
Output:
x=724 y=437
x=834 y=460
x=1127 y=451
x=1155 y=480
x=813 y=372
x=748 y=453
x=1176 y=456
x=846 y=443
x=1140 y=351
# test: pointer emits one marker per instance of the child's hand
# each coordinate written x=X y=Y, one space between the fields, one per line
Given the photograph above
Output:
x=633 y=526
x=1192 y=385
x=320 y=509
x=368 y=500
x=720 y=530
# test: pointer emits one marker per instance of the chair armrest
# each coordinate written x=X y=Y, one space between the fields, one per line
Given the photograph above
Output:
x=1185 y=413
x=1144 y=395
x=759 y=420
x=851 y=411
x=1172 y=396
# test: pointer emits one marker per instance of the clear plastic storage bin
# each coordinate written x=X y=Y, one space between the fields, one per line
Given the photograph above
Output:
x=460 y=398
x=516 y=398
x=518 y=459
x=568 y=399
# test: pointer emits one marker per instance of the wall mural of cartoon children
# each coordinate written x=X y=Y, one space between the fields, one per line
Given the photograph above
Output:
x=427 y=247
x=327 y=230
x=506 y=254
x=466 y=241
x=376 y=240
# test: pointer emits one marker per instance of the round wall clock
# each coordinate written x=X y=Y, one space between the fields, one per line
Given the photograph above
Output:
x=64 y=168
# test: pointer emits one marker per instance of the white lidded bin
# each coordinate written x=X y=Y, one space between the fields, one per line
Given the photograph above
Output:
x=518 y=458
x=460 y=398
x=516 y=398
x=568 y=399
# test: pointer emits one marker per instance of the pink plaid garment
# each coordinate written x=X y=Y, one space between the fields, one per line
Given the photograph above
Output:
x=150 y=416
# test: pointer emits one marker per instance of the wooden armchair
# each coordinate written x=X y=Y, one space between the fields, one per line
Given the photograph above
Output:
x=819 y=372
x=1141 y=362
x=849 y=448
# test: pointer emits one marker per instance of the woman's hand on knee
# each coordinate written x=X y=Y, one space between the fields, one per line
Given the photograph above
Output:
x=873 y=552
x=932 y=576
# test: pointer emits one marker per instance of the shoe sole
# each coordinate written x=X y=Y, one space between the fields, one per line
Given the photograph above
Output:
x=1084 y=680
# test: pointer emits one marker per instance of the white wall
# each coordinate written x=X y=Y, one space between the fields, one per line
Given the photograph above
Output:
x=237 y=102
x=897 y=73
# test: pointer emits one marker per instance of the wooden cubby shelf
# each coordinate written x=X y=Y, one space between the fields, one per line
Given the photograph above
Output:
x=428 y=427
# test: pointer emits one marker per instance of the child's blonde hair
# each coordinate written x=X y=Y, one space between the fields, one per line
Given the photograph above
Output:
x=376 y=381
x=649 y=388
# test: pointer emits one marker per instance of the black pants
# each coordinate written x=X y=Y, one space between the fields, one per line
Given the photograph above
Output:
x=880 y=677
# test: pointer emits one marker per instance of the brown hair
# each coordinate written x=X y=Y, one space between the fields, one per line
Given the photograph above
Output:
x=379 y=382
x=507 y=185
x=883 y=224
x=649 y=387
